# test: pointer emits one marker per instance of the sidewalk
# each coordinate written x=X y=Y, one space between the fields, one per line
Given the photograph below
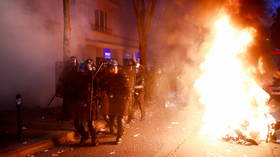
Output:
x=41 y=134
x=42 y=131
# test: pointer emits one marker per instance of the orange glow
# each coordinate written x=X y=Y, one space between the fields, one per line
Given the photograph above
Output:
x=233 y=99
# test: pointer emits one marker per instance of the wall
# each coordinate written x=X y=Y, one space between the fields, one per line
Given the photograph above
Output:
x=31 y=43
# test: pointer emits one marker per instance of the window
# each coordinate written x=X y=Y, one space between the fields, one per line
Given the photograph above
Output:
x=101 y=22
x=107 y=53
x=96 y=17
x=137 y=56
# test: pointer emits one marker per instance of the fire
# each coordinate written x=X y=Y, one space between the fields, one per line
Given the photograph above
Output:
x=234 y=102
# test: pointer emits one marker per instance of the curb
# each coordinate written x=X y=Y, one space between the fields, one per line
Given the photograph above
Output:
x=38 y=146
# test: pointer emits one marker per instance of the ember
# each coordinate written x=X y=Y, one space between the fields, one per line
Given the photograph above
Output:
x=235 y=105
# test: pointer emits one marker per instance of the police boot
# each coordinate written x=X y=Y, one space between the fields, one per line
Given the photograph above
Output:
x=121 y=123
x=94 y=140
x=84 y=137
x=91 y=126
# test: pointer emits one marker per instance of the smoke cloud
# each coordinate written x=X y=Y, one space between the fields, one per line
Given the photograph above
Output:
x=32 y=31
x=30 y=45
x=181 y=35
x=256 y=14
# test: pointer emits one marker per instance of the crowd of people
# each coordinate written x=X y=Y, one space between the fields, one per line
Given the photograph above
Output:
x=106 y=91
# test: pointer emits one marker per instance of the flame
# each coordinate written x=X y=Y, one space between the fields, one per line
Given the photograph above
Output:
x=233 y=99
x=261 y=66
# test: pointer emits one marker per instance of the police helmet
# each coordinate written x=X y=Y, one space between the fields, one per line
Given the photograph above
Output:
x=73 y=62
x=90 y=66
x=113 y=63
x=89 y=61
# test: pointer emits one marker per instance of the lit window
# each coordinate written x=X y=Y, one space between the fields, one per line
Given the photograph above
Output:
x=107 y=53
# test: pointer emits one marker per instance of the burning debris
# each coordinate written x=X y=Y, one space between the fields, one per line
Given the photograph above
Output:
x=235 y=104
x=238 y=138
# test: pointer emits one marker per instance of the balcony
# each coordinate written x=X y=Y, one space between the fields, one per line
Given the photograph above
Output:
x=112 y=3
x=100 y=28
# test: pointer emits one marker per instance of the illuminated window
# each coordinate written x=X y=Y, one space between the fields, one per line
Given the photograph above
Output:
x=107 y=53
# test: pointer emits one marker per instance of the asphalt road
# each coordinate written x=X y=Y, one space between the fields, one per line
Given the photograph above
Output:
x=168 y=132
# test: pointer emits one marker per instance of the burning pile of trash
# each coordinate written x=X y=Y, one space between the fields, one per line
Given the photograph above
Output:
x=235 y=104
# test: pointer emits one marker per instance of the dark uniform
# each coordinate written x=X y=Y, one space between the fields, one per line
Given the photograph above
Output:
x=131 y=73
x=102 y=99
x=117 y=93
x=78 y=92
x=83 y=108
x=139 y=90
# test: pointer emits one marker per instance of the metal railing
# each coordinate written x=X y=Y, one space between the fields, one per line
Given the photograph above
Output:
x=100 y=28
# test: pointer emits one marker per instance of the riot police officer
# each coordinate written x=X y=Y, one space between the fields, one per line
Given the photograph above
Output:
x=117 y=91
x=87 y=64
x=101 y=96
x=85 y=110
x=131 y=73
x=139 y=89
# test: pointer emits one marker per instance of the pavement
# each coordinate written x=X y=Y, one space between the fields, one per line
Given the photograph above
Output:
x=41 y=131
x=166 y=131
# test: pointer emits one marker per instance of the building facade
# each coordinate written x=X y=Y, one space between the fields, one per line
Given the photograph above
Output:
x=108 y=32
x=32 y=42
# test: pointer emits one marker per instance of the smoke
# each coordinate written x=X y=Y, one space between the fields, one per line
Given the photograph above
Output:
x=257 y=14
x=82 y=25
x=30 y=45
x=178 y=35
x=181 y=33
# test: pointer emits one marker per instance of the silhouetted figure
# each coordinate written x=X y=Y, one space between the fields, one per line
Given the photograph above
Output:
x=131 y=73
x=117 y=94
x=139 y=91
x=84 y=110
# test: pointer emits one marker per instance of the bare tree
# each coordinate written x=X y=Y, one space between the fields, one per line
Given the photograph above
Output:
x=144 y=11
x=67 y=28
